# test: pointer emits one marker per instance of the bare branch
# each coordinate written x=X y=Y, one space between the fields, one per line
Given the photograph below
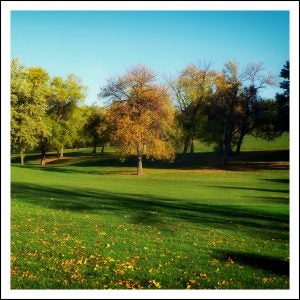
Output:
x=254 y=74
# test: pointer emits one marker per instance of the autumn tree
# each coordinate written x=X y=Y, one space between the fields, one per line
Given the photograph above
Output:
x=63 y=101
x=142 y=115
x=28 y=94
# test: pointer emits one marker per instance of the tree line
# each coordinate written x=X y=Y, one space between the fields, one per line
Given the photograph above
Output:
x=144 y=117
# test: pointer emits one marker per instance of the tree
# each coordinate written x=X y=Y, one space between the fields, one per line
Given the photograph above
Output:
x=63 y=101
x=236 y=109
x=77 y=123
x=283 y=99
x=39 y=80
x=45 y=136
x=192 y=90
x=250 y=109
x=227 y=91
x=98 y=127
x=28 y=93
x=90 y=128
x=142 y=115
x=105 y=128
x=266 y=116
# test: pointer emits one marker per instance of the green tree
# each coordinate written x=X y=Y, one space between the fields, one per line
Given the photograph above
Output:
x=192 y=90
x=97 y=127
x=28 y=94
x=142 y=115
x=250 y=108
x=236 y=109
x=266 y=117
x=63 y=101
x=105 y=128
x=227 y=95
x=45 y=137
x=77 y=122
x=283 y=99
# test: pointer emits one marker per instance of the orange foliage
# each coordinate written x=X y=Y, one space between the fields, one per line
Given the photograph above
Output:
x=143 y=117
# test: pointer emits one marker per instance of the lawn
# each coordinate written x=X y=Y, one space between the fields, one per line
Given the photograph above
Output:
x=87 y=222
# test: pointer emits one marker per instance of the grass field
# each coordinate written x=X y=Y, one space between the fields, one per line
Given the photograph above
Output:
x=87 y=222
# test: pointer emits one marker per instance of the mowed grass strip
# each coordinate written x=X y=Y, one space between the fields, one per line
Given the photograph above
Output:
x=89 y=223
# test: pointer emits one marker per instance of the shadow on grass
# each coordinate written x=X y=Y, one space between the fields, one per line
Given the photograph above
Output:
x=278 y=180
x=101 y=164
x=260 y=160
x=52 y=158
x=249 y=188
x=272 y=199
x=149 y=209
x=266 y=263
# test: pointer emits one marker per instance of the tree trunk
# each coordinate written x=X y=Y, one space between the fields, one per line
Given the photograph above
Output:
x=227 y=145
x=230 y=151
x=224 y=159
x=43 y=142
x=43 y=157
x=43 y=160
x=239 y=144
x=61 y=153
x=245 y=121
x=186 y=145
x=94 y=146
x=192 y=150
x=22 y=156
x=140 y=166
x=102 y=148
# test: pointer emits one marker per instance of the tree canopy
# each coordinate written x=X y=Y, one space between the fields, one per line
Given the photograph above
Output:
x=28 y=106
x=283 y=99
x=63 y=100
x=142 y=114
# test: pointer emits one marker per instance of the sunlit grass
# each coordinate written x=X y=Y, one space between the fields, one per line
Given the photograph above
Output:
x=89 y=223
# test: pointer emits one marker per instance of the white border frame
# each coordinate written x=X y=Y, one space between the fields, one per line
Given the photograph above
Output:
x=7 y=7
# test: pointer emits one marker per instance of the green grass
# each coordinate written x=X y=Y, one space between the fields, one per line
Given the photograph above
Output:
x=89 y=223
x=252 y=143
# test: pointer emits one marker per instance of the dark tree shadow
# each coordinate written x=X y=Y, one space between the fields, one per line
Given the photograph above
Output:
x=266 y=263
x=249 y=188
x=278 y=180
x=149 y=209
x=271 y=199
x=246 y=161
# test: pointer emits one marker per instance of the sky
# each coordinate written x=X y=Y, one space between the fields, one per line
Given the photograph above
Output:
x=98 y=45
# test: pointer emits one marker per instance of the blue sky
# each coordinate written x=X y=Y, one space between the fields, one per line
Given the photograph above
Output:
x=96 y=45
